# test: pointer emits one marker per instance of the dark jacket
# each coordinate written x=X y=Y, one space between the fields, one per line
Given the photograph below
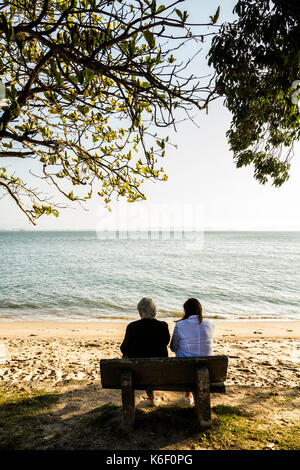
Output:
x=147 y=337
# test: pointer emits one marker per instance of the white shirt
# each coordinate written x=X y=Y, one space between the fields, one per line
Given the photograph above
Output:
x=191 y=338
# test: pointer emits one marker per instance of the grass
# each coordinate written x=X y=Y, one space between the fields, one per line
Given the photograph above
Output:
x=25 y=418
x=234 y=429
x=22 y=415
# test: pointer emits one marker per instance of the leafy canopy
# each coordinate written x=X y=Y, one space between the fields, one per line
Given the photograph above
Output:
x=87 y=83
x=257 y=61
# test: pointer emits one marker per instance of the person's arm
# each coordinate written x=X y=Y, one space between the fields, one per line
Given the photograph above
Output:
x=175 y=340
x=166 y=334
x=212 y=336
x=124 y=345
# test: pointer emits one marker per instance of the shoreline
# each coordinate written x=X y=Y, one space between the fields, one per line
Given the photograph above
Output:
x=115 y=319
x=115 y=329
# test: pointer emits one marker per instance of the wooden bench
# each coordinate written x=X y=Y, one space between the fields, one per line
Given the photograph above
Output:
x=200 y=375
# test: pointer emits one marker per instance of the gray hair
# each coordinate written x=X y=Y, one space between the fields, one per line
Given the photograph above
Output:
x=146 y=307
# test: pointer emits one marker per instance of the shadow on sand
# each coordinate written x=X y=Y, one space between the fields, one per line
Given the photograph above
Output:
x=73 y=419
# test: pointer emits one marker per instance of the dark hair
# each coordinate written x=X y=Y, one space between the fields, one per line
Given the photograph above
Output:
x=192 y=307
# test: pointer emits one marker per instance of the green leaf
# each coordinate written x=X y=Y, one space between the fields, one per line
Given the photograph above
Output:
x=149 y=38
x=153 y=7
x=185 y=16
x=73 y=79
x=179 y=13
x=160 y=9
x=88 y=75
x=215 y=18
x=161 y=144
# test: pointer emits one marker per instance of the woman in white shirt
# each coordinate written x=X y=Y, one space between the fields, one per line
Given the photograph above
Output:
x=193 y=335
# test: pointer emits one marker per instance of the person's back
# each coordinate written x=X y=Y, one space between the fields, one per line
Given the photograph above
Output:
x=147 y=337
x=193 y=335
x=191 y=338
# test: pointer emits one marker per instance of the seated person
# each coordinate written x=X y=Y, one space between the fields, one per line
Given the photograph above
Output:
x=146 y=337
x=193 y=335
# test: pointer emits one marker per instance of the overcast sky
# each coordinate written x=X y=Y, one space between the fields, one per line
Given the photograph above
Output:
x=204 y=190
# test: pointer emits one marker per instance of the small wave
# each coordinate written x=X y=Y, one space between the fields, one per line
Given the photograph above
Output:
x=170 y=312
x=14 y=305
x=218 y=316
x=114 y=317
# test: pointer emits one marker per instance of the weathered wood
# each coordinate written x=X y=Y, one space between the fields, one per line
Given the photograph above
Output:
x=202 y=397
x=173 y=373
x=128 y=399
x=201 y=375
x=214 y=388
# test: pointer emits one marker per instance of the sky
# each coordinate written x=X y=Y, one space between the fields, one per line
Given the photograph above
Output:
x=204 y=191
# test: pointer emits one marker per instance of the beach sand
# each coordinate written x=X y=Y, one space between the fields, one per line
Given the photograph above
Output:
x=63 y=357
x=261 y=353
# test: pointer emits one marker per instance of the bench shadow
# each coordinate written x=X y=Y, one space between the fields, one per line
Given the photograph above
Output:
x=87 y=417
x=102 y=426
x=153 y=428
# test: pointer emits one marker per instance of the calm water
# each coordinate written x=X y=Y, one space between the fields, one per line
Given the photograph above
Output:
x=79 y=275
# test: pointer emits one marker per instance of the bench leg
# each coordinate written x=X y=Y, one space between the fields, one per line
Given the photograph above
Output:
x=128 y=400
x=202 y=398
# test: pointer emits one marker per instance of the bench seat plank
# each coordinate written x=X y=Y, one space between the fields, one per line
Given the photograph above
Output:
x=173 y=373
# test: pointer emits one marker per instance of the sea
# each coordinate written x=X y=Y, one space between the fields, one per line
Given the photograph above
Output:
x=103 y=275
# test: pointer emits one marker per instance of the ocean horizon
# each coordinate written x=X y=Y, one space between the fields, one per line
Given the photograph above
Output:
x=89 y=275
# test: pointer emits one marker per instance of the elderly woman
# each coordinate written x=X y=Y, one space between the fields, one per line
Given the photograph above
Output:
x=146 y=337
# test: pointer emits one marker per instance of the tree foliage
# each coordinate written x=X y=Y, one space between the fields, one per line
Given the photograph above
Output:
x=257 y=60
x=87 y=83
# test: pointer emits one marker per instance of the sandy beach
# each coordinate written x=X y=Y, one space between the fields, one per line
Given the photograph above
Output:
x=261 y=353
x=64 y=356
